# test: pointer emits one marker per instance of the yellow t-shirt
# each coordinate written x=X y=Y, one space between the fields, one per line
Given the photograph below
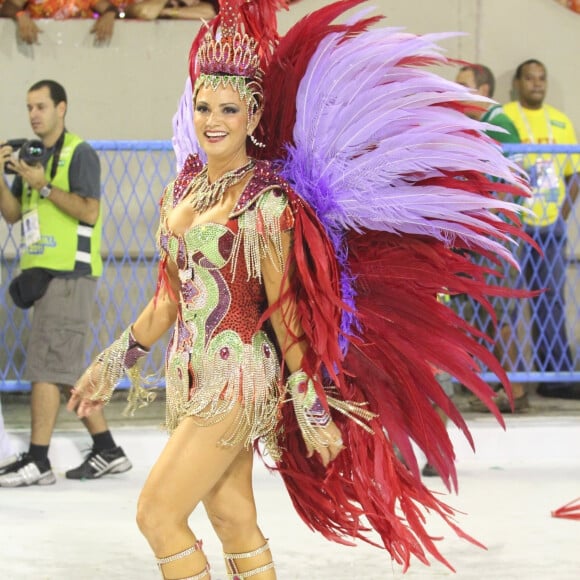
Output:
x=545 y=126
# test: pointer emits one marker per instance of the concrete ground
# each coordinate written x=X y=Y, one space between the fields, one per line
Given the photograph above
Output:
x=507 y=491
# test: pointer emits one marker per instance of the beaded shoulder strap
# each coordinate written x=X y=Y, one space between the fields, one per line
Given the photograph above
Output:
x=261 y=221
x=192 y=167
x=264 y=179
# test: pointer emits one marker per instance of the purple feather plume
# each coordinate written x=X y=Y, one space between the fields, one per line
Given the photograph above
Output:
x=184 y=139
x=368 y=118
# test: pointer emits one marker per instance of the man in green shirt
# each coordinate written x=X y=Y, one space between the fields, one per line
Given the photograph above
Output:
x=58 y=203
x=481 y=80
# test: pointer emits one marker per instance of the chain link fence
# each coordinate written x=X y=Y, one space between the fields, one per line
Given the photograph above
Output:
x=536 y=339
x=133 y=176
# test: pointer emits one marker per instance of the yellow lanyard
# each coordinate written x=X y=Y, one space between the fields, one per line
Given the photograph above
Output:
x=529 y=129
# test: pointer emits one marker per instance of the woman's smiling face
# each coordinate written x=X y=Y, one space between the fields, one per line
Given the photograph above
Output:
x=221 y=122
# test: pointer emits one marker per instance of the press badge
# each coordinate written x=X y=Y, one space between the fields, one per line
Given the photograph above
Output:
x=545 y=181
x=31 y=228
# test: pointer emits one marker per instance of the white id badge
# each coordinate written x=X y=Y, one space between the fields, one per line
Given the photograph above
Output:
x=547 y=183
x=31 y=227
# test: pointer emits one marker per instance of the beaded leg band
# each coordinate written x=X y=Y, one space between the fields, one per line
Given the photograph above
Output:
x=187 y=552
x=235 y=574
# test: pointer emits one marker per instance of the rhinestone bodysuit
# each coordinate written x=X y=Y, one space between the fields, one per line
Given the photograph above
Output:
x=218 y=360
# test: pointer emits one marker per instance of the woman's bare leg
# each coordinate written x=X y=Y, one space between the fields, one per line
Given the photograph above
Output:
x=231 y=509
x=189 y=467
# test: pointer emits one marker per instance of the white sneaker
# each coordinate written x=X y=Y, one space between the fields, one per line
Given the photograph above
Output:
x=27 y=474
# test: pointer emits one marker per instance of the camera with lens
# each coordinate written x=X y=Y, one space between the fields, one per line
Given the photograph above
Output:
x=30 y=151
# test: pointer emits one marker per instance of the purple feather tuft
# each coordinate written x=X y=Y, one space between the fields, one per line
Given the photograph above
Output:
x=184 y=139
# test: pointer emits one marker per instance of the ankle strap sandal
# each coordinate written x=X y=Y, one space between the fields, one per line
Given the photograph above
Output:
x=235 y=574
x=187 y=552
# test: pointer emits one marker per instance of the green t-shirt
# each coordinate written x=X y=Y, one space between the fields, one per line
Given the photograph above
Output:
x=495 y=116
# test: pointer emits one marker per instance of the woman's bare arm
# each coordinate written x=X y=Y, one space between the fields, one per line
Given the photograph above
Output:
x=293 y=344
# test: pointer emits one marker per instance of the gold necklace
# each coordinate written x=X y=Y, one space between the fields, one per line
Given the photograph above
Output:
x=205 y=194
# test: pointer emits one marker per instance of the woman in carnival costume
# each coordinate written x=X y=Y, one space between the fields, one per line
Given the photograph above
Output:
x=329 y=189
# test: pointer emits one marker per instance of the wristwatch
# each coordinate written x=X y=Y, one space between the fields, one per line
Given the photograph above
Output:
x=46 y=190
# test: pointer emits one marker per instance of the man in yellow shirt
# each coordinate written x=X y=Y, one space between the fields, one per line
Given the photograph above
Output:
x=480 y=79
x=554 y=180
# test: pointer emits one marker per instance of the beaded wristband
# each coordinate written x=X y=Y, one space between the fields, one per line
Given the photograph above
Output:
x=118 y=359
x=310 y=413
x=303 y=385
x=135 y=351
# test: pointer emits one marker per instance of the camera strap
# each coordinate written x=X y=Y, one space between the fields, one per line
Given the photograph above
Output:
x=56 y=155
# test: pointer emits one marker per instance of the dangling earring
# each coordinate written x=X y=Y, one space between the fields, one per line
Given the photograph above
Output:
x=256 y=142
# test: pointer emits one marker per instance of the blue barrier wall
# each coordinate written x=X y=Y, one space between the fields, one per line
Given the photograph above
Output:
x=133 y=176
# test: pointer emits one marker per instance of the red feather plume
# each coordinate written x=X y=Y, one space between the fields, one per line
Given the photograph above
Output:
x=404 y=333
x=569 y=511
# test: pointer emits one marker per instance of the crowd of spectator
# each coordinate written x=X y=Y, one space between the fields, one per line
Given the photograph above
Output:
x=554 y=182
x=26 y=13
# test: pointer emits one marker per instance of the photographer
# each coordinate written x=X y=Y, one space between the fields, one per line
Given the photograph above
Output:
x=59 y=205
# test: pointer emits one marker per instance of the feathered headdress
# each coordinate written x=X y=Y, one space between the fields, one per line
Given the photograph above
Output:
x=236 y=48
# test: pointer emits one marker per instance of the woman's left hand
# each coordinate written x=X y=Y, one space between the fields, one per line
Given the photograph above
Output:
x=331 y=435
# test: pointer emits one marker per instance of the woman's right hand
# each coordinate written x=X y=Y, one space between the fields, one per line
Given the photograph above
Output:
x=27 y=29
x=81 y=401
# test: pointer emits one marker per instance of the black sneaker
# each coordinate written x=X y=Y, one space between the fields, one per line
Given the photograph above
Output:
x=12 y=463
x=25 y=471
x=99 y=463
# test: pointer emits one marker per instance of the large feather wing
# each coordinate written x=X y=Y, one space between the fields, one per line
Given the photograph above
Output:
x=409 y=191
x=377 y=131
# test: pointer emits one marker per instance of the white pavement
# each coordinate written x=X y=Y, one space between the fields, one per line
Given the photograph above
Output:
x=86 y=530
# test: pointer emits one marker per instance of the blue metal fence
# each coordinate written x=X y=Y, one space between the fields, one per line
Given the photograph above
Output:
x=134 y=174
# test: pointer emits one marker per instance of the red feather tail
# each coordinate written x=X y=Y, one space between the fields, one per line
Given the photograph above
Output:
x=569 y=511
x=366 y=483
x=405 y=333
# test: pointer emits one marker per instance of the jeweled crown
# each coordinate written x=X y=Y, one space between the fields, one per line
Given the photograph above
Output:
x=235 y=54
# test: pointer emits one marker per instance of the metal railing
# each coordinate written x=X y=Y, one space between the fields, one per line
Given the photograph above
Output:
x=134 y=175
